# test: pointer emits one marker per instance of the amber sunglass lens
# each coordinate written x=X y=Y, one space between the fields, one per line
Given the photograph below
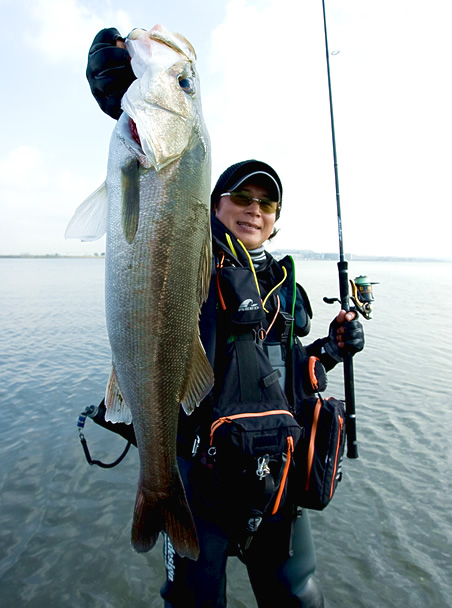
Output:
x=239 y=198
x=244 y=199
x=268 y=206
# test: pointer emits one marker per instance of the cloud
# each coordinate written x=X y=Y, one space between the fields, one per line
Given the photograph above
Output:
x=63 y=29
x=259 y=60
x=265 y=96
x=22 y=169
x=26 y=174
x=38 y=202
x=268 y=98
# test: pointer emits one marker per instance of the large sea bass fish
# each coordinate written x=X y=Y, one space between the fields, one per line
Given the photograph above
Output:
x=158 y=266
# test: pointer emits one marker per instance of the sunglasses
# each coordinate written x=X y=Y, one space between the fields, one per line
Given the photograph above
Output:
x=244 y=199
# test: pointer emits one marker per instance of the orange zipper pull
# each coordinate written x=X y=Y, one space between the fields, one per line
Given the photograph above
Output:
x=290 y=449
x=312 y=376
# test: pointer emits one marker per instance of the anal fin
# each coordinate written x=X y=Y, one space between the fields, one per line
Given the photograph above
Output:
x=116 y=408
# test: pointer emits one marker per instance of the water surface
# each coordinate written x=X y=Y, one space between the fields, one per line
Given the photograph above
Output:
x=384 y=541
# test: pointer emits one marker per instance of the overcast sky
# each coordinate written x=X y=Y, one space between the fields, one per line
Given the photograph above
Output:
x=264 y=90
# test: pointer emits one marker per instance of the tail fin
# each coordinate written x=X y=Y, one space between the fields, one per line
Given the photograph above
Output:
x=171 y=514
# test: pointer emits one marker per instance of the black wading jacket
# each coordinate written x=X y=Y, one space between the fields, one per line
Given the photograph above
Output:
x=226 y=313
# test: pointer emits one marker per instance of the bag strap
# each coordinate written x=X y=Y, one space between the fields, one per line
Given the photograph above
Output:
x=248 y=366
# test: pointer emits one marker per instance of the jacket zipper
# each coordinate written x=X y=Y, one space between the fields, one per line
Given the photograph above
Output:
x=315 y=421
x=341 y=423
x=233 y=417
x=290 y=449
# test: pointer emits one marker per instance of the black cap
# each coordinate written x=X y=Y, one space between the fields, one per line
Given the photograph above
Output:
x=248 y=170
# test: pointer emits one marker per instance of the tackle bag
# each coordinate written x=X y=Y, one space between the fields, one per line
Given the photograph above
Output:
x=318 y=457
x=253 y=435
x=319 y=454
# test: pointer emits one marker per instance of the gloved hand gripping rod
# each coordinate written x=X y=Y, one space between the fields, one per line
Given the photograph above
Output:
x=349 y=386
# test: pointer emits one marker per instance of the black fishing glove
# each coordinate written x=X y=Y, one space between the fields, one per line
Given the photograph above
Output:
x=109 y=72
x=351 y=334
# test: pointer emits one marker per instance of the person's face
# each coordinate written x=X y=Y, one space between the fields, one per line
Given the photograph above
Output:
x=248 y=224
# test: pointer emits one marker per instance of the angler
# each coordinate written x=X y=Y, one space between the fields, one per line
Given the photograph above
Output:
x=250 y=326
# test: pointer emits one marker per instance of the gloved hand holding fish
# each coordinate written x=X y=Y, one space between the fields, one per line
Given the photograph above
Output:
x=158 y=267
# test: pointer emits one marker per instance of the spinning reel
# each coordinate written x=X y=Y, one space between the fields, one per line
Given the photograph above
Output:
x=361 y=295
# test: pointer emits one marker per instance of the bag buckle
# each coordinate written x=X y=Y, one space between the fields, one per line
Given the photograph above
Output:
x=196 y=445
x=262 y=466
x=288 y=321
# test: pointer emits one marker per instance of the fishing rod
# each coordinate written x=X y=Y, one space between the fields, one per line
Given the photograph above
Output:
x=342 y=265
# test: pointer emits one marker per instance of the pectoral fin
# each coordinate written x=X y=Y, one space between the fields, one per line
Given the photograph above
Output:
x=89 y=221
x=130 y=183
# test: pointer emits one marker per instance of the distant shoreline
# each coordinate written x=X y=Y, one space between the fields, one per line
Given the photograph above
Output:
x=297 y=254
x=351 y=257
x=100 y=256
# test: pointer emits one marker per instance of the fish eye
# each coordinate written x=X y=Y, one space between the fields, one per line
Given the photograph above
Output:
x=186 y=84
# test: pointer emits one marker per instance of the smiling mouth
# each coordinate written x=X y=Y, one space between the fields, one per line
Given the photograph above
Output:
x=248 y=225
